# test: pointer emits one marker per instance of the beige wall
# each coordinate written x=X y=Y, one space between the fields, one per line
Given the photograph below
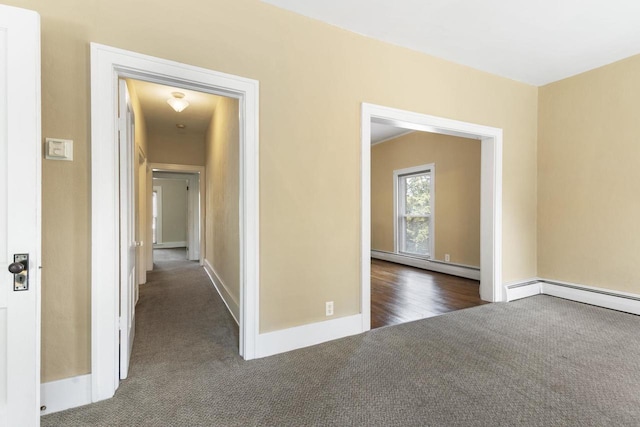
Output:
x=588 y=175
x=187 y=149
x=141 y=137
x=222 y=235
x=313 y=78
x=174 y=208
x=457 y=191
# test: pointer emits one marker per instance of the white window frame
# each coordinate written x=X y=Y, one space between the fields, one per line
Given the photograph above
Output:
x=398 y=207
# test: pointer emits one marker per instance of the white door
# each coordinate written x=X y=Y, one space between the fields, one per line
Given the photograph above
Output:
x=19 y=216
x=141 y=216
x=127 y=231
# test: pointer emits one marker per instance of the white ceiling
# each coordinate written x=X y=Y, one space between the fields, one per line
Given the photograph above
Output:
x=160 y=117
x=534 y=41
x=381 y=132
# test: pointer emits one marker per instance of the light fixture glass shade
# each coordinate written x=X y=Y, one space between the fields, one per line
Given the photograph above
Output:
x=178 y=102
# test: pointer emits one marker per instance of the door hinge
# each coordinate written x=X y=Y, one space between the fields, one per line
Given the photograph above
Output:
x=120 y=325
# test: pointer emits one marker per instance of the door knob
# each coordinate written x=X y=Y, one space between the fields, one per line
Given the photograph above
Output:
x=16 y=267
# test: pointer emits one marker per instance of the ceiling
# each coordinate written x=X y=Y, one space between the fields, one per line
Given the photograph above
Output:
x=381 y=132
x=160 y=117
x=535 y=42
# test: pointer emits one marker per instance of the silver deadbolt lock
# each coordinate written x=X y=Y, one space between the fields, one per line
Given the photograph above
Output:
x=20 y=270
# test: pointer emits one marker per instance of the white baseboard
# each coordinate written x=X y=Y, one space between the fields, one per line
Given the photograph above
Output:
x=65 y=394
x=440 y=267
x=232 y=305
x=528 y=288
x=169 y=245
x=275 y=342
x=615 y=300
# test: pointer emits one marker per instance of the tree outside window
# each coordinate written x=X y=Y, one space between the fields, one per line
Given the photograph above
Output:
x=415 y=210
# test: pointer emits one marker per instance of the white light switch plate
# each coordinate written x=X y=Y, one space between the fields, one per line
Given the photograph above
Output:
x=58 y=149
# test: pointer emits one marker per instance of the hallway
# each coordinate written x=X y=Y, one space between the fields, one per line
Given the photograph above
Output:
x=184 y=336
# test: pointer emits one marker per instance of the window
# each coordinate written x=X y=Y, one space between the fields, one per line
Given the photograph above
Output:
x=414 y=210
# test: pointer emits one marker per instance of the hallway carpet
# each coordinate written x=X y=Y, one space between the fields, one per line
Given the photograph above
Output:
x=540 y=361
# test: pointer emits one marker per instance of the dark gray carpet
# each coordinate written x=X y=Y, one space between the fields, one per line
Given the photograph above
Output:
x=540 y=361
x=169 y=254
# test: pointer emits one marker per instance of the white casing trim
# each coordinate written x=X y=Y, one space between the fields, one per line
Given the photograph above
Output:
x=491 y=286
x=275 y=342
x=169 y=245
x=614 y=300
x=65 y=394
x=440 y=267
x=108 y=64
x=223 y=291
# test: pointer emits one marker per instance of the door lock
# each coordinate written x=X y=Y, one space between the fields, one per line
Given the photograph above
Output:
x=20 y=270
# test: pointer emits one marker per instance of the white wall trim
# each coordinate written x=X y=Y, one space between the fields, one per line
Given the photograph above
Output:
x=108 y=64
x=466 y=271
x=615 y=300
x=517 y=290
x=65 y=394
x=275 y=342
x=491 y=288
x=169 y=245
x=158 y=190
x=223 y=291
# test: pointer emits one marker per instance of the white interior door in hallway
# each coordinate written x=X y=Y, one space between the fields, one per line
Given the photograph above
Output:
x=20 y=215
x=128 y=245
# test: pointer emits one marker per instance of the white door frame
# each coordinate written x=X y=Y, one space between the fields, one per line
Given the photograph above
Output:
x=490 y=193
x=157 y=189
x=202 y=182
x=141 y=264
x=108 y=64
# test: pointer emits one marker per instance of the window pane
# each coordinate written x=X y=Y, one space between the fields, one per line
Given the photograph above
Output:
x=417 y=196
x=416 y=236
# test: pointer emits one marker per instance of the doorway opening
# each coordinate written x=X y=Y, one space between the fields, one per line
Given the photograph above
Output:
x=177 y=214
x=425 y=217
x=421 y=239
x=108 y=66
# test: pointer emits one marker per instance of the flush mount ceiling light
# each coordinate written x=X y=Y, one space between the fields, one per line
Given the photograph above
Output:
x=181 y=126
x=178 y=102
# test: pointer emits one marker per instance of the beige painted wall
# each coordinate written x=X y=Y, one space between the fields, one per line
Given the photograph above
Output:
x=141 y=137
x=222 y=233
x=313 y=78
x=457 y=191
x=174 y=208
x=187 y=149
x=588 y=175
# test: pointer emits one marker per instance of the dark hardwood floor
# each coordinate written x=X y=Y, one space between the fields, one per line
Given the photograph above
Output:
x=401 y=294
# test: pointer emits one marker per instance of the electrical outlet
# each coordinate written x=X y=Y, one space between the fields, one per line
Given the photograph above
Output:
x=329 y=308
x=447 y=258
